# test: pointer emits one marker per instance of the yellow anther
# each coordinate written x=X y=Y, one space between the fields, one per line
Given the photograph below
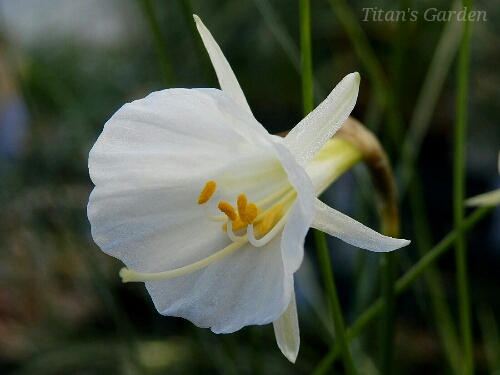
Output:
x=251 y=213
x=228 y=210
x=207 y=192
x=270 y=219
x=242 y=206
x=237 y=225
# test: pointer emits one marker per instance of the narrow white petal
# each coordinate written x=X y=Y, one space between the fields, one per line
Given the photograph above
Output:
x=487 y=199
x=286 y=330
x=309 y=135
x=227 y=80
x=351 y=231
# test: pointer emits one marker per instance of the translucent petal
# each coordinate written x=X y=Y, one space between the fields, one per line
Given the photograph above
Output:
x=149 y=166
x=491 y=198
x=351 y=231
x=286 y=330
x=247 y=287
x=178 y=132
x=227 y=80
x=301 y=213
x=309 y=135
x=332 y=160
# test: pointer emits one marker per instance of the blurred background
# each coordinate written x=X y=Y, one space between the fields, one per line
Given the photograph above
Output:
x=67 y=65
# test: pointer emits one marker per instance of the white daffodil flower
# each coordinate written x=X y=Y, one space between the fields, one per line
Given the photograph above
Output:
x=209 y=210
x=491 y=198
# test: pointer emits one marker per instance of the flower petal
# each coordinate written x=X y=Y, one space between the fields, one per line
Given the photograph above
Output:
x=149 y=165
x=332 y=160
x=245 y=288
x=309 y=135
x=286 y=330
x=491 y=198
x=301 y=213
x=351 y=231
x=227 y=80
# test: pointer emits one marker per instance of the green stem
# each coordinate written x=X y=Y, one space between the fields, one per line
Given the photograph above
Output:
x=333 y=302
x=321 y=246
x=387 y=277
x=403 y=283
x=387 y=99
x=459 y=196
x=306 y=57
x=159 y=42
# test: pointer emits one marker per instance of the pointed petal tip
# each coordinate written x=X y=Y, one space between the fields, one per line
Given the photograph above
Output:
x=292 y=357
x=197 y=19
x=393 y=244
x=286 y=330
x=405 y=243
x=354 y=77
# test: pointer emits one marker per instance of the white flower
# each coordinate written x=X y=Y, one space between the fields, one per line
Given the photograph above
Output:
x=491 y=198
x=156 y=155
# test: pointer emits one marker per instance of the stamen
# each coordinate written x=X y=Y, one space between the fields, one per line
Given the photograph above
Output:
x=129 y=275
x=242 y=206
x=207 y=192
x=228 y=210
x=269 y=236
x=270 y=218
x=251 y=213
x=237 y=225
x=232 y=236
x=210 y=216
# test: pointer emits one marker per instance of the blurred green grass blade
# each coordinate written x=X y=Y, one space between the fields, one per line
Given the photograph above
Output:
x=441 y=315
x=159 y=42
x=491 y=337
x=459 y=156
x=285 y=41
x=403 y=283
x=320 y=239
x=425 y=106
x=419 y=124
x=388 y=295
x=280 y=32
x=333 y=301
x=201 y=53
x=367 y=57
x=306 y=57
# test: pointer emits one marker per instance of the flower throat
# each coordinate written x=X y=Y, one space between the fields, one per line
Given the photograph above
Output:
x=264 y=224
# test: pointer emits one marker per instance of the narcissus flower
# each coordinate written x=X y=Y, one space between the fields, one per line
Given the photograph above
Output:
x=209 y=210
x=491 y=198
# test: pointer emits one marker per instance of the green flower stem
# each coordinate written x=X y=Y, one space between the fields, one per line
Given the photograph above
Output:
x=333 y=302
x=321 y=246
x=441 y=313
x=159 y=42
x=380 y=170
x=444 y=54
x=403 y=283
x=459 y=196
x=306 y=57
x=387 y=277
